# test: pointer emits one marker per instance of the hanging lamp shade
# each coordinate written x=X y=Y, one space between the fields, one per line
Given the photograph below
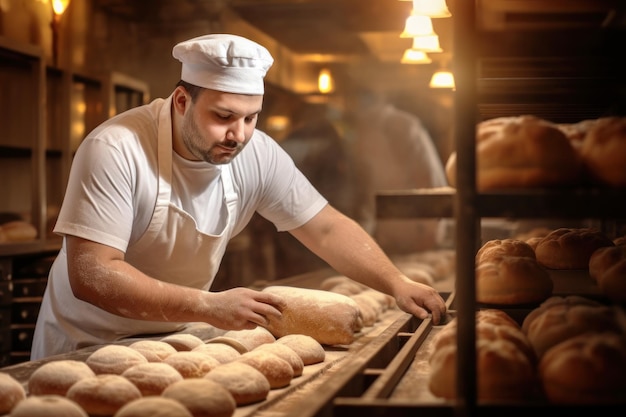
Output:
x=431 y=8
x=415 y=56
x=442 y=79
x=417 y=25
x=427 y=43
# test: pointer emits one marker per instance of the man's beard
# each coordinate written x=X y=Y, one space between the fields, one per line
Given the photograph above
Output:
x=194 y=141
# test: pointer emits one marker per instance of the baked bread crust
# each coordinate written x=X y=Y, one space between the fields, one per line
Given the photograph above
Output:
x=570 y=248
x=604 y=151
x=328 y=317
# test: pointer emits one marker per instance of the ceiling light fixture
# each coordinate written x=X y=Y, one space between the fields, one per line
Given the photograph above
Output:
x=431 y=8
x=417 y=25
x=325 y=82
x=415 y=56
x=442 y=79
x=428 y=43
x=58 y=8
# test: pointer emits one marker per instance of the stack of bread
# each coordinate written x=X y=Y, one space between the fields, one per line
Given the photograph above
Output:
x=175 y=374
x=507 y=273
x=581 y=347
x=527 y=151
x=505 y=367
x=519 y=152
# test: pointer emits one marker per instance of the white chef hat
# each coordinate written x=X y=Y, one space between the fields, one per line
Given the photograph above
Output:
x=223 y=62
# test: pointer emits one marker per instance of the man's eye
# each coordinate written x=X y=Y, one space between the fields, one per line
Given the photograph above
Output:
x=224 y=116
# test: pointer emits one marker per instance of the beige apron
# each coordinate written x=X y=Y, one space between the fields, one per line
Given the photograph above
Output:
x=171 y=250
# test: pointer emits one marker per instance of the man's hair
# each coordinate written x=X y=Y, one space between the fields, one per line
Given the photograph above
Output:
x=193 y=90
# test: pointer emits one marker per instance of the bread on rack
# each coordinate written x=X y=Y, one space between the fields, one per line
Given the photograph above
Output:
x=554 y=300
x=586 y=369
x=494 y=250
x=603 y=151
x=503 y=371
x=559 y=322
x=607 y=266
x=17 y=231
x=570 y=248
x=521 y=152
x=11 y=392
x=513 y=280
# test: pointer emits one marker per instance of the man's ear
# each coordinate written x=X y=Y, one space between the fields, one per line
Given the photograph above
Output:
x=180 y=100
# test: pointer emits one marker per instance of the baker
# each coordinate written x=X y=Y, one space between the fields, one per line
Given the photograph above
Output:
x=156 y=193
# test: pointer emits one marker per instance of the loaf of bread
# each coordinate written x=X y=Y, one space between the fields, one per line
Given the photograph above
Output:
x=222 y=352
x=494 y=250
x=309 y=349
x=103 y=394
x=607 y=266
x=153 y=377
x=18 y=231
x=518 y=152
x=11 y=392
x=278 y=371
x=555 y=300
x=192 y=364
x=504 y=373
x=48 y=406
x=56 y=377
x=570 y=248
x=114 y=359
x=513 y=280
x=245 y=383
x=251 y=338
x=330 y=318
x=153 y=350
x=154 y=406
x=287 y=354
x=182 y=341
x=586 y=369
x=603 y=151
x=560 y=322
x=202 y=397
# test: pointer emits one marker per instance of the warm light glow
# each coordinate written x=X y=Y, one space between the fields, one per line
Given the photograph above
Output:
x=59 y=6
x=417 y=25
x=278 y=123
x=429 y=43
x=414 y=56
x=432 y=8
x=325 y=82
x=442 y=79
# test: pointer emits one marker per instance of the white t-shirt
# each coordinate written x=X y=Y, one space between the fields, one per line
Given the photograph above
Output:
x=112 y=188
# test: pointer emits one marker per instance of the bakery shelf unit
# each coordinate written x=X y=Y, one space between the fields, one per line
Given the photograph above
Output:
x=559 y=60
x=45 y=112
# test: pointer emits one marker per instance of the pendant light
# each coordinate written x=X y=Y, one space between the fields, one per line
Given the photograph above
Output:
x=431 y=8
x=415 y=56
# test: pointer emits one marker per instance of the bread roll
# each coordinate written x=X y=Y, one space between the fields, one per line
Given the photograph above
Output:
x=309 y=349
x=153 y=350
x=192 y=364
x=330 y=318
x=114 y=359
x=604 y=151
x=153 y=377
x=251 y=338
x=56 y=377
x=182 y=341
x=577 y=132
x=153 y=406
x=222 y=352
x=512 y=280
x=517 y=152
x=494 y=250
x=246 y=384
x=18 y=231
x=586 y=369
x=560 y=322
x=48 y=406
x=103 y=394
x=11 y=392
x=552 y=301
x=607 y=266
x=286 y=353
x=202 y=397
x=504 y=373
x=570 y=248
x=278 y=372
